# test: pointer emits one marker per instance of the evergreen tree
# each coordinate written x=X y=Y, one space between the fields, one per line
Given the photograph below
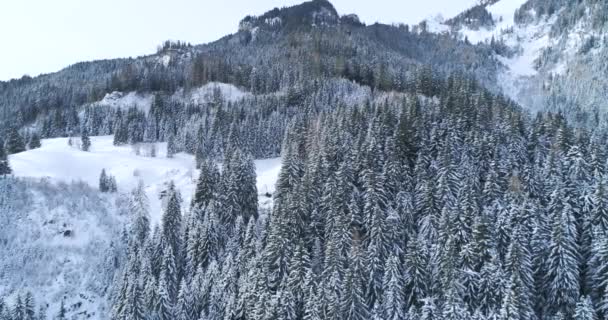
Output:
x=417 y=280
x=563 y=283
x=393 y=301
x=354 y=306
x=186 y=308
x=29 y=306
x=62 y=314
x=103 y=181
x=429 y=309
x=15 y=142
x=600 y=205
x=5 y=168
x=207 y=184
x=165 y=306
x=34 y=142
x=139 y=207
x=584 y=310
x=172 y=222
x=85 y=140
x=171 y=146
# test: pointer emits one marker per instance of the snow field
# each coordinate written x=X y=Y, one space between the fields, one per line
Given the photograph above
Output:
x=59 y=162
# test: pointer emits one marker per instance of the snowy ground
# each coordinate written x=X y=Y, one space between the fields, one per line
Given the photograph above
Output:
x=527 y=41
x=58 y=240
x=59 y=162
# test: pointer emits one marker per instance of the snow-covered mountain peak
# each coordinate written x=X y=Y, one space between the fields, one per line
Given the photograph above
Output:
x=308 y=14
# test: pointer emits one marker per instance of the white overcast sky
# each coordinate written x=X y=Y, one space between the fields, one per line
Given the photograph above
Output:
x=40 y=36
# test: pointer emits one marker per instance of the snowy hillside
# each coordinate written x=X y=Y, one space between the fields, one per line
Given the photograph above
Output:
x=59 y=242
x=549 y=53
x=57 y=161
x=525 y=43
x=66 y=230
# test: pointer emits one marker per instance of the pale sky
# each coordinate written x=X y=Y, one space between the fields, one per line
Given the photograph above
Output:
x=41 y=36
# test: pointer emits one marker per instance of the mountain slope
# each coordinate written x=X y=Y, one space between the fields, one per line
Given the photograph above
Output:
x=551 y=52
x=311 y=42
x=63 y=240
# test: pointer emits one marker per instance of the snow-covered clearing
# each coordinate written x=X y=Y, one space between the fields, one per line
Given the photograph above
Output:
x=59 y=162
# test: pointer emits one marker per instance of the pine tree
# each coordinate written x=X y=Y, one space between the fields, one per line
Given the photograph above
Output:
x=172 y=221
x=62 y=315
x=103 y=181
x=207 y=184
x=165 y=306
x=454 y=308
x=15 y=142
x=29 y=306
x=169 y=274
x=171 y=146
x=5 y=168
x=139 y=207
x=393 y=300
x=186 y=308
x=18 y=308
x=112 y=186
x=354 y=306
x=86 y=141
x=416 y=269
x=584 y=310
x=563 y=283
x=429 y=309
x=34 y=142
x=600 y=206
x=134 y=308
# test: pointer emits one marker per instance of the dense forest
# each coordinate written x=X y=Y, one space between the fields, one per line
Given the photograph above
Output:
x=458 y=207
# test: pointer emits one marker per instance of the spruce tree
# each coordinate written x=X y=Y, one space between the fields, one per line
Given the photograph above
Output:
x=171 y=146
x=165 y=306
x=599 y=212
x=172 y=221
x=584 y=310
x=5 y=168
x=29 y=306
x=393 y=300
x=354 y=306
x=62 y=314
x=563 y=283
x=207 y=184
x=15 y=142
x=140 y=207
x=34 y=142
x=103 y=181
x=85 y=140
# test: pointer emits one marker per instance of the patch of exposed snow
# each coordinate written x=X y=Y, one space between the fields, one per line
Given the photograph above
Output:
x=58 y=245
x=165 y=60
x=531 y=40
x=503 y=13
x=122 y=100
x=436 y=24
x=206 y=93
x=254 y=33
x=276 y=21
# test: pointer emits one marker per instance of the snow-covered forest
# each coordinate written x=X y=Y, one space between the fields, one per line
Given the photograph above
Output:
x=312 y=167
